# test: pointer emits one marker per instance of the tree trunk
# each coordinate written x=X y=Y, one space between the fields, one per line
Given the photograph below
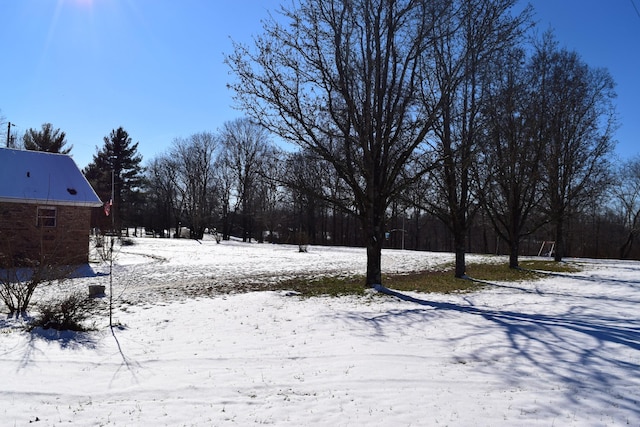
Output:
x=374 y=228
x=246 y=225
x=625 y=249
x=177 y=233
x=460 y=250
x=559 y=249
x=514 y=248
x=374 y=261
x=226 y=226
x=514 y=238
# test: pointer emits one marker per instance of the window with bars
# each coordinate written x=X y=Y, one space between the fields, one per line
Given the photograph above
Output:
x=46 y=216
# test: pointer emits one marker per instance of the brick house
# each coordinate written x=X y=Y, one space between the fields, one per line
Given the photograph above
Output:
x=45 y=209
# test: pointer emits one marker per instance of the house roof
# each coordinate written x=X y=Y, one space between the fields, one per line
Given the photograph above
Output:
x=39 y=177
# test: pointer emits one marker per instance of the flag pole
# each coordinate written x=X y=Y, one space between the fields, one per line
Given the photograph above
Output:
x=113 y=220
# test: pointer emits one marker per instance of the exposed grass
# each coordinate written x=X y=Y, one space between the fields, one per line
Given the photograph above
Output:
x=529 y=270
x=549 y=266
x=326 y=285
x=440 y=281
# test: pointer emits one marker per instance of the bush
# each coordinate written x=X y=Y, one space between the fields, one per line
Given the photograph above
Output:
x=66 y=313
x=126 y=241
x=18 y=283
x=98 y=240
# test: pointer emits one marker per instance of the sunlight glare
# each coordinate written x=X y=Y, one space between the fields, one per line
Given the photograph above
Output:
x=83 y=3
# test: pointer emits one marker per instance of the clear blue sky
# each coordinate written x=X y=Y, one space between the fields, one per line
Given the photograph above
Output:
x=155 y=67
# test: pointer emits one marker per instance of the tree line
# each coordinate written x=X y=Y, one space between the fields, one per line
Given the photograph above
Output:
x=427 y=125
x=239 y=182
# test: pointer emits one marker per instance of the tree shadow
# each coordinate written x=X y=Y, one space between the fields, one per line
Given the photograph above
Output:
x=593 y=277
x=72 y=340
x=542 y=289
x=587 y=354
x=66 y=339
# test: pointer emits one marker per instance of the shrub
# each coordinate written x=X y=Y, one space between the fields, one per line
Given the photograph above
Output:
x=126 y=241
x=65 y=313
x=98 y=240
x=18 y=283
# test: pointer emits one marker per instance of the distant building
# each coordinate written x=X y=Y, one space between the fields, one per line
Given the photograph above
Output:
x=45 y=209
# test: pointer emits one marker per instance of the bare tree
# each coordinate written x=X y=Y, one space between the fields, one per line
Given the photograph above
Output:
x=306 y=177
x=163 y=204
x=225 y=178
x=626 y=194
x=246 y=151
x=341 y=80
x=313 y=187
x=194 y=159
x=469 y=38
x=5 y=136
x=578 y=123
x=509 y=166
x=107 y=248
x=271 y=194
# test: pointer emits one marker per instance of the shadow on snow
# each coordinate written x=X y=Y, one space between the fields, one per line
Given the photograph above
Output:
x=579 y=351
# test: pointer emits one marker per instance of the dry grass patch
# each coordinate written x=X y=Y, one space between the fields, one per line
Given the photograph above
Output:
x=549 y=266
x=439 y=281
x=326 y=285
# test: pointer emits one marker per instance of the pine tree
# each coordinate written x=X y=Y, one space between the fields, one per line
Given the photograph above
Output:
x=116 y=175
x=48 y=139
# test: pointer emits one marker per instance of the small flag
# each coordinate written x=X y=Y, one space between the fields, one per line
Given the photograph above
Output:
x=107 y=207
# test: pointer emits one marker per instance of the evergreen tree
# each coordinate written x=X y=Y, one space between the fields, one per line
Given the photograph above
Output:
x=48 y=139
x=116 y=175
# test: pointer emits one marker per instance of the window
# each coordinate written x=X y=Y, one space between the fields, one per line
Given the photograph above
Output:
x=46 y=216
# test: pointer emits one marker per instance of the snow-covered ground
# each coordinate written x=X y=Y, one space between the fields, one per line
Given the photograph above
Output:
x=563 y=351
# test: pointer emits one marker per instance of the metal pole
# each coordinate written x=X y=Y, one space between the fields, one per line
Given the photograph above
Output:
x=113 y=214
x=403 y=231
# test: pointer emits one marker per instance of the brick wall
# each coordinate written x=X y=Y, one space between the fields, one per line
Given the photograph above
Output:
x=22 y=239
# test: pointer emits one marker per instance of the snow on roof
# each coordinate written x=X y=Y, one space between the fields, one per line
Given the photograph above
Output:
x=39 y=177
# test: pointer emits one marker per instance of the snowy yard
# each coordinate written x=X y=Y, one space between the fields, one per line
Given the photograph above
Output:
x=563 y=351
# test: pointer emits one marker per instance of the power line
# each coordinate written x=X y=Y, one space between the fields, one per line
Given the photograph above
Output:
x=635 y=7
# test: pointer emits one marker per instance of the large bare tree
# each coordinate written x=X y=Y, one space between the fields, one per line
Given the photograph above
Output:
x=510 y=165
x=578 y=120
x=341 y=80
x=471 y=36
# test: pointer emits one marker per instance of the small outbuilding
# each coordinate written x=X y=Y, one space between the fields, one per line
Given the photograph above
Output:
x=45 y=209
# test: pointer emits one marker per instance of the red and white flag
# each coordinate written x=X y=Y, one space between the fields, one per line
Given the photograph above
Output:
x=107 y=207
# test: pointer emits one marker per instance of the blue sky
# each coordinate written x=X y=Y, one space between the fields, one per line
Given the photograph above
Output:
x=155 y=67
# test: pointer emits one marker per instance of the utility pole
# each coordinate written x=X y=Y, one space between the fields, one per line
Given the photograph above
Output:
x=9 y=134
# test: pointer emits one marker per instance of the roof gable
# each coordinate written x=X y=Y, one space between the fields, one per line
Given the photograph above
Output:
x=39 y=177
